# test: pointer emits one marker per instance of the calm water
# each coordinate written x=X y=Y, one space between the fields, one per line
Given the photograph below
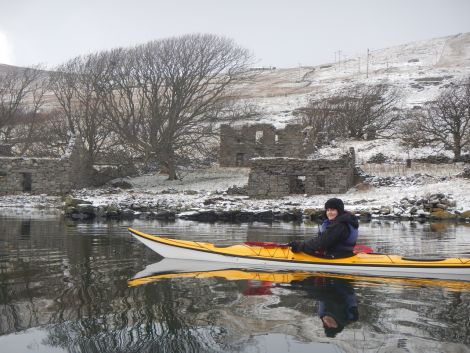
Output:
x=64 y=288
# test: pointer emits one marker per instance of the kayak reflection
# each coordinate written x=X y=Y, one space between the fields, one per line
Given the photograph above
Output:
x=176 y=268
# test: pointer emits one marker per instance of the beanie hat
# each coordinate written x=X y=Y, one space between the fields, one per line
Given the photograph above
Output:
x=333 y=331
x=335 y=203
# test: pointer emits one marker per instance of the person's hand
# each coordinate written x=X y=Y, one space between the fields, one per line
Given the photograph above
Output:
x=294 y=246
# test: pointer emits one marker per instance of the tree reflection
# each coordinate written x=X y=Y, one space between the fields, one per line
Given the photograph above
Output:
x=74 y=286
x=145 y=319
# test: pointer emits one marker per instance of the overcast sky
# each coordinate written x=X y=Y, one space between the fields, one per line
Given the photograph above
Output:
x=281 y=33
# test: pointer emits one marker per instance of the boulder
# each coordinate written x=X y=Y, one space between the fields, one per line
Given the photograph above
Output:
x=121 y=183
x=314 y=213
x=70 y=201
x=86 y=209
x=442 y=214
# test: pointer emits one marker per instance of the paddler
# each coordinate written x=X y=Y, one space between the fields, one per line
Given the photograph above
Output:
x=337 y=235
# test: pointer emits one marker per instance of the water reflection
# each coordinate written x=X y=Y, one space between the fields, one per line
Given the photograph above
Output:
x=64 y=288
x=334 y=294
x=337 y=301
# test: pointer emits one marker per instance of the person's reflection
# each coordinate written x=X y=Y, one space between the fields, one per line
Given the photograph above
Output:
x=337 y=302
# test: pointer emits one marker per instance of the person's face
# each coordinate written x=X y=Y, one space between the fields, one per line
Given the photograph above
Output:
x=331 y=213
x=328 y=321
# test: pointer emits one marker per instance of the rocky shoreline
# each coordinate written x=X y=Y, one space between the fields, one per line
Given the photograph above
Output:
x=239 y=209
x=231 y=206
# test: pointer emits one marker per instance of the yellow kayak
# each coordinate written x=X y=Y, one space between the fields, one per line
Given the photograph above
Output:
x=283 y=258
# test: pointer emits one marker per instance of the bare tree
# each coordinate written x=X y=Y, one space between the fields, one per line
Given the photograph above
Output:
x=444 y=122
x=369 y=110
x=21 y=98
x=166 y=96
x=77 y=86
x=319 y=115
x=356 y=111
x=51 y=136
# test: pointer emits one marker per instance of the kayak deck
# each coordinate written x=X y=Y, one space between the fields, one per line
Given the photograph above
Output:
x=284 y=257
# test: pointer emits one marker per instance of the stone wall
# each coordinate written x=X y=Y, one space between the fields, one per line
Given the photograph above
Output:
x=275 y=177
x=239 y=144
x=34 y=175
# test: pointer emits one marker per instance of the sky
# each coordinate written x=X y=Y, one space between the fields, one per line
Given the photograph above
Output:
x=280 y=33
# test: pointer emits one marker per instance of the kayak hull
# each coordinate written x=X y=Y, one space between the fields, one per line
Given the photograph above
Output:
x=283 y=258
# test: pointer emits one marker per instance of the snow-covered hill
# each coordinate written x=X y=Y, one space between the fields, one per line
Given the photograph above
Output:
x=419 y=69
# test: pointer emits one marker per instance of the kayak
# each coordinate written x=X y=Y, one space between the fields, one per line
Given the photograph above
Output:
x=167 y=269
x=371 y=264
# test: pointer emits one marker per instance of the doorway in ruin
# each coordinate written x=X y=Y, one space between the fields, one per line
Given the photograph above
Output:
x=297 y=184
x=27 y=182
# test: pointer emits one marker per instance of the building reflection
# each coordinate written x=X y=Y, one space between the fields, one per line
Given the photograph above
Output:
x=74 y=287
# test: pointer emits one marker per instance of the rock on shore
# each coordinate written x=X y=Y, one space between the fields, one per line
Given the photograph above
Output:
x=212 y=207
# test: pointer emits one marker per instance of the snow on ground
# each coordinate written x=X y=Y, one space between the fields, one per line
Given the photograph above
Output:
x=202 y=180
x=155 y=190
x=364 y=150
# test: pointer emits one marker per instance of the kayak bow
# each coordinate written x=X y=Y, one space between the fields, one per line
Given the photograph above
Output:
x=284 y=258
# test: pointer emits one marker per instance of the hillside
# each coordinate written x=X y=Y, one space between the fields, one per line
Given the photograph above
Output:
x=418 y=69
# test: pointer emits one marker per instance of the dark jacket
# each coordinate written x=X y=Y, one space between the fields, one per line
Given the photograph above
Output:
x=335 y=239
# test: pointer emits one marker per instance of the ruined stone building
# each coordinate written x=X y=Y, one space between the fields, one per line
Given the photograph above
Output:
x=279 y=161
x=34 y=175
x=239 y=144
x=275 y=177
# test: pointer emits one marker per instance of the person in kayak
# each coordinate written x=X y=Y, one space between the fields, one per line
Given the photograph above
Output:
x=337 y=236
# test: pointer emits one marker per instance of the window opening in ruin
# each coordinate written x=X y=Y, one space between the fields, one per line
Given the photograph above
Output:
x=25 y=228
x=27 y=182
x=276 y=138
x=239 y=159
x=259 y=136
x=239 y=140
x=3 y=176
x=321 y=181
x=297 y=184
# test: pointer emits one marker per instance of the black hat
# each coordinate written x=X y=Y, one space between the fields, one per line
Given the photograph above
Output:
x=333 y=331
x=335 y=203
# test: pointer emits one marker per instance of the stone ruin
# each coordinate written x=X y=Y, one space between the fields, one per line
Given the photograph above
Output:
x=239 y=144
x=34 y=175
x=276 y=177
x=279 y=163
